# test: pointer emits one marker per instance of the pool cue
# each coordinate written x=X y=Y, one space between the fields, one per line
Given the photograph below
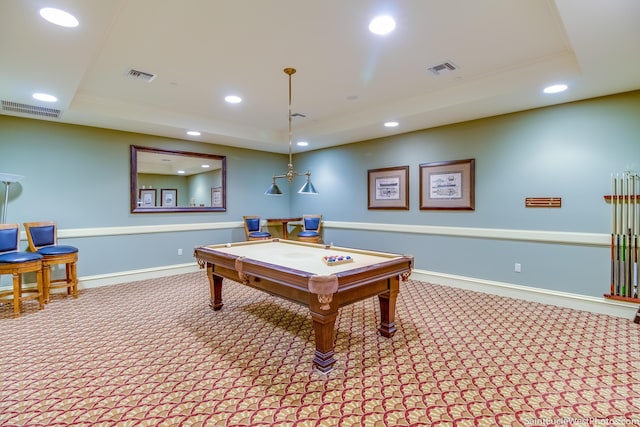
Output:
x=617 y=233
x=635 y=236
x=614 y=246
x=630 y=218
x=630 y=232
x=625 y=233
x=623 y=236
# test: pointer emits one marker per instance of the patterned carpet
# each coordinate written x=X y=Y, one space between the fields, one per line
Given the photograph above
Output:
x=152 y=353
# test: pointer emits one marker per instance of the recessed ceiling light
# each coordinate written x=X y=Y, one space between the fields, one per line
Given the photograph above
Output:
x=180 y=172
x=382 y=25
x=233 y=99
x=205 y=166
x=302 y=143
x=45 y=97
x=555 y=88
x=59 y=17
x=391 y=124
x=193 y=133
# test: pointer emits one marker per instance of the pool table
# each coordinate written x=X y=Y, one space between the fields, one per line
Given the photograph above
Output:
x=320 y=277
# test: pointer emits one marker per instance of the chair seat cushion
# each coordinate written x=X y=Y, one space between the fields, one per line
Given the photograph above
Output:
x=57 y=250
x=308 y=234
x=259 y=234
x=13 y=257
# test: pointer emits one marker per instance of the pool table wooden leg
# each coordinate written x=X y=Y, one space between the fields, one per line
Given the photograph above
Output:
x=324 y=327
x=388 y=308
x=215 y=289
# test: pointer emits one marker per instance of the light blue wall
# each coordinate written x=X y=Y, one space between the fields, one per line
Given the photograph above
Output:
x=79 y=176
x=566 y=151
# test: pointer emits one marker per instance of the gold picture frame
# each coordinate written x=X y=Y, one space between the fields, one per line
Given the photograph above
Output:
x=448 y=185
x=388 y=188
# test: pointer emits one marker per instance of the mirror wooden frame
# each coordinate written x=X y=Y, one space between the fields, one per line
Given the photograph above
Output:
x=136 y=208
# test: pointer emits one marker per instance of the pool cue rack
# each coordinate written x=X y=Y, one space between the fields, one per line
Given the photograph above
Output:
x=625 y=237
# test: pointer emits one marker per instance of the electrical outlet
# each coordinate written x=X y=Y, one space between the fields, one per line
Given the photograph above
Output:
x=517 y=267
x=179 y=251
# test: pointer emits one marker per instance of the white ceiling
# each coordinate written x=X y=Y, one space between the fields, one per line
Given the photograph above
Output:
x=349 y=81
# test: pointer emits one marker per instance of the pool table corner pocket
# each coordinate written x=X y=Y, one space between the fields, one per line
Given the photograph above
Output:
x=324 y=287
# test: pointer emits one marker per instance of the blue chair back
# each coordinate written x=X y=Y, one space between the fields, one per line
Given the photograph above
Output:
x=9 y=238
x=43 y=236
x=253 y=224
x=311 y=224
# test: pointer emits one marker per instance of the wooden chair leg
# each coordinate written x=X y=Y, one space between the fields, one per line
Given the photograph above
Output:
x=40 y=282
x=67 y=272
x=72 y=275
x=46 y=282
x=17 y=294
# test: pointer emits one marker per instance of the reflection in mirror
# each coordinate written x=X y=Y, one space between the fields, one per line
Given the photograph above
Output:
x=177 y=181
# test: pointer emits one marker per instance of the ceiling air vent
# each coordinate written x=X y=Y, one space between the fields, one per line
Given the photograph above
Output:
x=140 y=75
x=442 y=68
x=33 y=110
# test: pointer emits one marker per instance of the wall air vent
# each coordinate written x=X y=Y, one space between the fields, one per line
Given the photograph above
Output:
x=442 y=68
x=140 y=75
x=33 y=110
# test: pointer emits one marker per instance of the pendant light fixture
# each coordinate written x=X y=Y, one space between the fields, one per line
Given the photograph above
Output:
x=307 y=188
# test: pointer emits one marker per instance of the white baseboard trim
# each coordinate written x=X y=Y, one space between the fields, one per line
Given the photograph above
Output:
x=544 y=296
x=135 y=275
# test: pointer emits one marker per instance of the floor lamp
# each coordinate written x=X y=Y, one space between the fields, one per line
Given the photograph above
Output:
x=8 y=179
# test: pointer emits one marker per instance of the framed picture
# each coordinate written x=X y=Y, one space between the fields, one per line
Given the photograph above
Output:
x=216 y=197
x=448 y=185
x=147 y=198
x=389 y=188
x=169 y=197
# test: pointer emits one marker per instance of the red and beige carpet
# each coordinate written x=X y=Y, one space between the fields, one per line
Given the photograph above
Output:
x=152 y=353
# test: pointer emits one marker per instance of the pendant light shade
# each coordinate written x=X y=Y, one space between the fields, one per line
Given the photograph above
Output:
x=308 y=187
x=273 y=190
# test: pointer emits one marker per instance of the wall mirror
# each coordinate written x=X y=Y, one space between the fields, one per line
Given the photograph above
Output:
x=177 y=181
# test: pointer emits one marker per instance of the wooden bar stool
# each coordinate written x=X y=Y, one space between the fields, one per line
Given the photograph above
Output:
x=16 y=262
x=311 y=225
x=43 y=239
x=252 y=228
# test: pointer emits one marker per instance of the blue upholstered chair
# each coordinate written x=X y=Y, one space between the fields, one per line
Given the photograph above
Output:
x=16 y=262
x=311 y=225
x=43 y=239
x=252 y=228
